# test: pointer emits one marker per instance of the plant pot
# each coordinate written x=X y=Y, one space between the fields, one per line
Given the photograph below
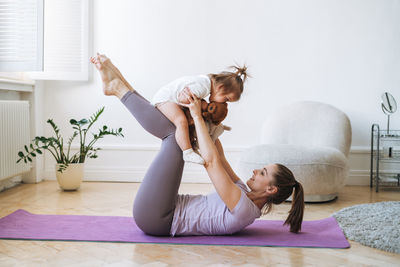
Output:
x=71 y=178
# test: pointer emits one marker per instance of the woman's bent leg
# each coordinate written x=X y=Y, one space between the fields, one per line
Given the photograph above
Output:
x=154 y=205
x=155 y=201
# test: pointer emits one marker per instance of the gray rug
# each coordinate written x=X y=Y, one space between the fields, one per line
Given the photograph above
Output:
x=375 y=225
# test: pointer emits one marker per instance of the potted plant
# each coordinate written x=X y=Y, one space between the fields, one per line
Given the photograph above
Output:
x=69 y=168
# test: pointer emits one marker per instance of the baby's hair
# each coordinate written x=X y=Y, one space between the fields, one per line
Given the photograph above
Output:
x=230 y=79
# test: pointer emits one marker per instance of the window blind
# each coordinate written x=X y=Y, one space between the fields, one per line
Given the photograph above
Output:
x=66 y=40
x=46 y=39
x=21 y=35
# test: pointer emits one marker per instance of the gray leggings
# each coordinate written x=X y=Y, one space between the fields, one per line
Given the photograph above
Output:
x=154 y=205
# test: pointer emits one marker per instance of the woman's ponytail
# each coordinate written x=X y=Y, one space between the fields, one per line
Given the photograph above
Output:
x=295 y=217
x=285 y=181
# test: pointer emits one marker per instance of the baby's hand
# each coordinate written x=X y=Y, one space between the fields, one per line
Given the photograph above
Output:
x=183 y=96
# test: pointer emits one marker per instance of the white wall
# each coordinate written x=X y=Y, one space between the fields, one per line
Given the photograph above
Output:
x=345 y=53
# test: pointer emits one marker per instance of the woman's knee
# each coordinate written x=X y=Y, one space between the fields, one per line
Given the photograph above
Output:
x=152 y=224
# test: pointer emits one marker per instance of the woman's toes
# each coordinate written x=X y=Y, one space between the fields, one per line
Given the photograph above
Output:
x=103 y=59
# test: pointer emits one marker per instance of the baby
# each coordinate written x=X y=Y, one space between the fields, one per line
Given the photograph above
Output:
x=223 y=87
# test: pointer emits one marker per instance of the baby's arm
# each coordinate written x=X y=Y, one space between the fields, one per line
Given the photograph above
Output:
x=196 y=89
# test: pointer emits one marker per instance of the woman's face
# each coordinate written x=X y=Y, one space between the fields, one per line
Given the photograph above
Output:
x=263 y=180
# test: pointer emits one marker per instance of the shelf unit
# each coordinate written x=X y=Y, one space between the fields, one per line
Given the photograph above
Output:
x=385 y=149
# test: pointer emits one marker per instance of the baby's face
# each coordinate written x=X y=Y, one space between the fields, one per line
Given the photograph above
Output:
x=221 y=97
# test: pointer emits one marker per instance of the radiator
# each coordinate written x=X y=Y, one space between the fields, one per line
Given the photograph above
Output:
x=14 y=134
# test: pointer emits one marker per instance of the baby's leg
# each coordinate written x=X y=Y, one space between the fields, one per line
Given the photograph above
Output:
x=176 y=115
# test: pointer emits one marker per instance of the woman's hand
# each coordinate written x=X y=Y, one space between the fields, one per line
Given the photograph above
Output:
x=194 y=103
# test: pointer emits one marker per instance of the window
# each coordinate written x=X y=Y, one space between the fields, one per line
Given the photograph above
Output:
x=21 y=35
x=64 y=49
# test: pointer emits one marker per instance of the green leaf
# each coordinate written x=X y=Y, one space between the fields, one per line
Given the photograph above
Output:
x=104 y=127
x=120 y=130
x=19 y=160
x=25 y=160
x=26 y=148
x=73 y=122
x=32 y=146
x=38 y=151
x=55 y=128
x=20 y=154
x=83 y=121
x=29 y=159
x=33 y=154
x=95 y=116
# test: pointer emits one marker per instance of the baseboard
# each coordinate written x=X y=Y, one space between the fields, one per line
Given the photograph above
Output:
x=126 y=174
x=121 y=163
x=10 y=182
x=356 y=177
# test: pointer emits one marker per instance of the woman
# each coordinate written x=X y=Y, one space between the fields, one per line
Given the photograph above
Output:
x=159 y=210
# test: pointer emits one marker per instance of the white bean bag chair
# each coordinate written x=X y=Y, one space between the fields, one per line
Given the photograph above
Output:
x=312 y=139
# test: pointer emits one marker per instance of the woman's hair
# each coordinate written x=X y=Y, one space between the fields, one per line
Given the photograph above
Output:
x=232 y=81
x=285 y=182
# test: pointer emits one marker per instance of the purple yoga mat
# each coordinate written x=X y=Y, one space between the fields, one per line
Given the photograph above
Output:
x=21 y=224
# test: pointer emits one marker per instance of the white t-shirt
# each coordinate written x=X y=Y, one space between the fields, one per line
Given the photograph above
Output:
x=200 y=85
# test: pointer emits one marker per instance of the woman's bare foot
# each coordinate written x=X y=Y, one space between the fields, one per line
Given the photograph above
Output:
x=107 y=62
x=112 y=84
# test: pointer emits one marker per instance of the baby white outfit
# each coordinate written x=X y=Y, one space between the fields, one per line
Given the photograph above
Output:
x=199 y=85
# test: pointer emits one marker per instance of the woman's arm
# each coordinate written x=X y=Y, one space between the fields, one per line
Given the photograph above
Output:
x=225 y=163
x=223 y=184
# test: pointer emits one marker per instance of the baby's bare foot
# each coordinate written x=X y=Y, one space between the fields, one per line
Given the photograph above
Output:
x=107 y=62
x=112 y=84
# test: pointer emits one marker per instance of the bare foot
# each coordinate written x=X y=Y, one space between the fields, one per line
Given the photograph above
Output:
x=112 y=84
x=107 y=62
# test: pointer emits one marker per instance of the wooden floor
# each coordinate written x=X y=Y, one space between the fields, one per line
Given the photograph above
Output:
x=107 y=199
